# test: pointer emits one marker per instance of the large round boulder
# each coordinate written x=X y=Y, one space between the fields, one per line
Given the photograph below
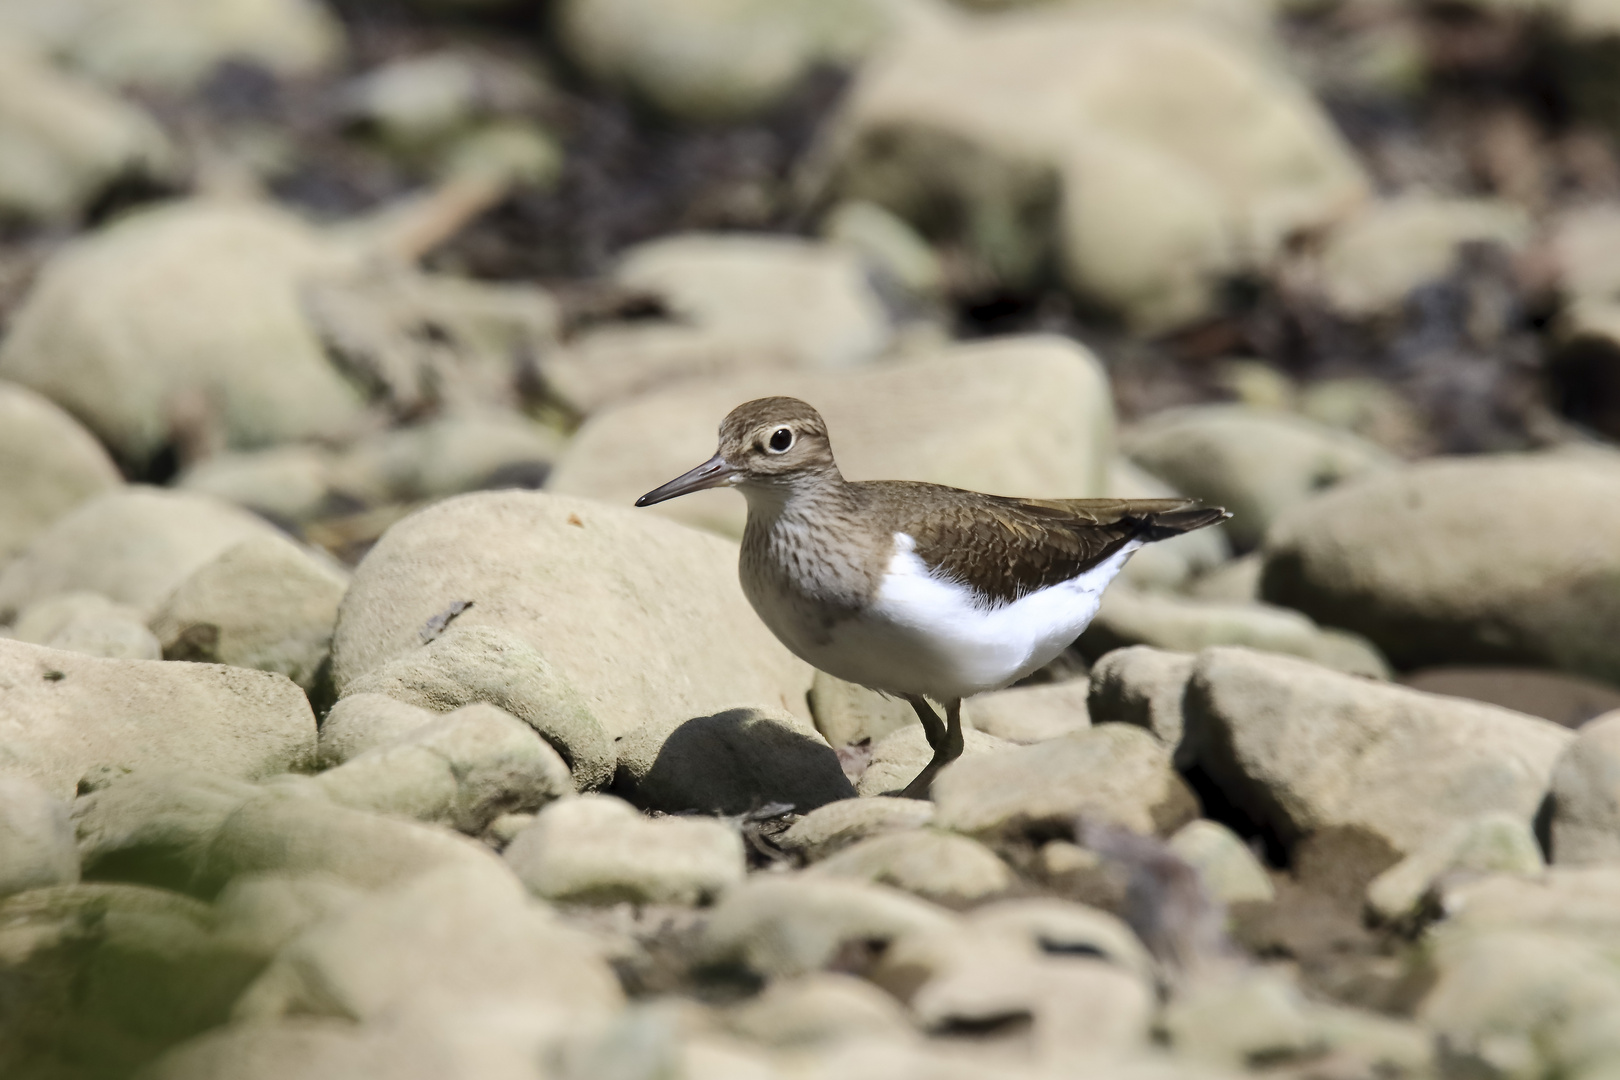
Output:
x=643 y=618
x=1319 y=758
x=1258 y=463
x=1150 y=150
x=189 y=314
x=1499 y=560
x=67 y=718
x=704 y=61
x=48 y=465
x=134 y=545
x=1018 y=416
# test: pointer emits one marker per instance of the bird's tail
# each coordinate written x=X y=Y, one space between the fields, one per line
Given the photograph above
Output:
x=1164 y=525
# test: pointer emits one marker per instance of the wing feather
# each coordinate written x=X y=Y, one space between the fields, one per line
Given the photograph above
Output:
x=1005 y=548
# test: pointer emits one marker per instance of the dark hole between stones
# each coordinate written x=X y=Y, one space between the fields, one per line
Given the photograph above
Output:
x=1071 y=948
x=1218 y=807
x=158 y=469
x=528 y=475
x=1012 y=1023
x=1543 y=825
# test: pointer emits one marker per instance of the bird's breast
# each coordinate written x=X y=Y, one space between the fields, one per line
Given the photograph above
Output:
x=802 y=582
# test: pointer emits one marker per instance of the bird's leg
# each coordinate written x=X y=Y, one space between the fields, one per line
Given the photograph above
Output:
x=953 y=732
x=933 y=729
x=946 y=750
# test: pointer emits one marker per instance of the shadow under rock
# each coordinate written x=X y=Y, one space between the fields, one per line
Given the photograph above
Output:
x=731 y=762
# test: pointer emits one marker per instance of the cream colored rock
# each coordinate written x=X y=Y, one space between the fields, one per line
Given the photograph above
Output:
x=140 y=326
x=1142 y=685
x=819 y=1008
x=49 y=463
x=449 y=455
x=998 y=970
x=463 y=769
x=787 y=925
x=88 y=623
x=66 y=715
x=1368 y=407
x=1077 y=1007
x=1230 y=1020
x=888 y=245
x=833 y=827
x=806 y=300
x=468 y=664
x=1307 y=749
x=145 y=970
x=176 y=44
x=1523 y=1002
x=1064 y=928
x=950 y=870
x=265 y=603
x=703 y=61
x=36 y=838
x=63 y=141
x=268 y=1051
x=1490 y=843
x=453 y=931
x=263 y=912
x=1585 y=795
x=616 y=362
x=1016 y=416
x=376 y=315
x=899 y=756
x=197 y=831
x=1523 y=971
x=596 y=849
x=1141 y=231
x=1258 y=463
x=1583 y=239
x=1175 y=624
x=1031 y=714
x=644 y=619
x=284 y=483
x=1236 y=582
x=847 y=714
x=730 y=762
x=1157 y=150
x=420 y=99
x=1425 y=564
x=1373 y=259
x=156 y=824
x=362 y=722
x=1230 y=872
x=1573 y=901
x=504 y=829
x=464 y=1036
x=1111 y=773
x=132 y=545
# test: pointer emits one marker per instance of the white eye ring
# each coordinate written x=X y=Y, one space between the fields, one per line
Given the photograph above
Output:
x=781 y=441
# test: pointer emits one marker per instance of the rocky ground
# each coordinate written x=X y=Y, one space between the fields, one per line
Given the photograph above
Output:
x=352 y=723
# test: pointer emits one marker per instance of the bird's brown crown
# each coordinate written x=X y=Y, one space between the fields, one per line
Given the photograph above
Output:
x=775 y=438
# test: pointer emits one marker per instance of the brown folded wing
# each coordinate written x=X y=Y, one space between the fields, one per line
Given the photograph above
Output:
x=1007 y=548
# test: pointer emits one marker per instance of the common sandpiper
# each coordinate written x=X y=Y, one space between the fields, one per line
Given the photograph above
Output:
x=915 y=590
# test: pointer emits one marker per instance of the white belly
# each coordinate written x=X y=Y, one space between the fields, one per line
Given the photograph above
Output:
x=924 y=635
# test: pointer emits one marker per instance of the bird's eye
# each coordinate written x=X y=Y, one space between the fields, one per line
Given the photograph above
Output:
x=781 y=440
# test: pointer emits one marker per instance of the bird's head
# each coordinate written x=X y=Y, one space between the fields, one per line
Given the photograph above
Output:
x=772 y=442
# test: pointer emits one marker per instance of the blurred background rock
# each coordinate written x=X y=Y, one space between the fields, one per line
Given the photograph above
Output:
x=277 y=274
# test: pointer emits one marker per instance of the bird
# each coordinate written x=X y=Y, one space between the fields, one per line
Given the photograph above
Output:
x=911 y=589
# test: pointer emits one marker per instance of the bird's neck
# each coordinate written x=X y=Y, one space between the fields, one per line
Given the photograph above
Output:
x=798 y=501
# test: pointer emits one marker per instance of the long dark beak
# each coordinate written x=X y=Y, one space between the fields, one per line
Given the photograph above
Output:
x=711 y=473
